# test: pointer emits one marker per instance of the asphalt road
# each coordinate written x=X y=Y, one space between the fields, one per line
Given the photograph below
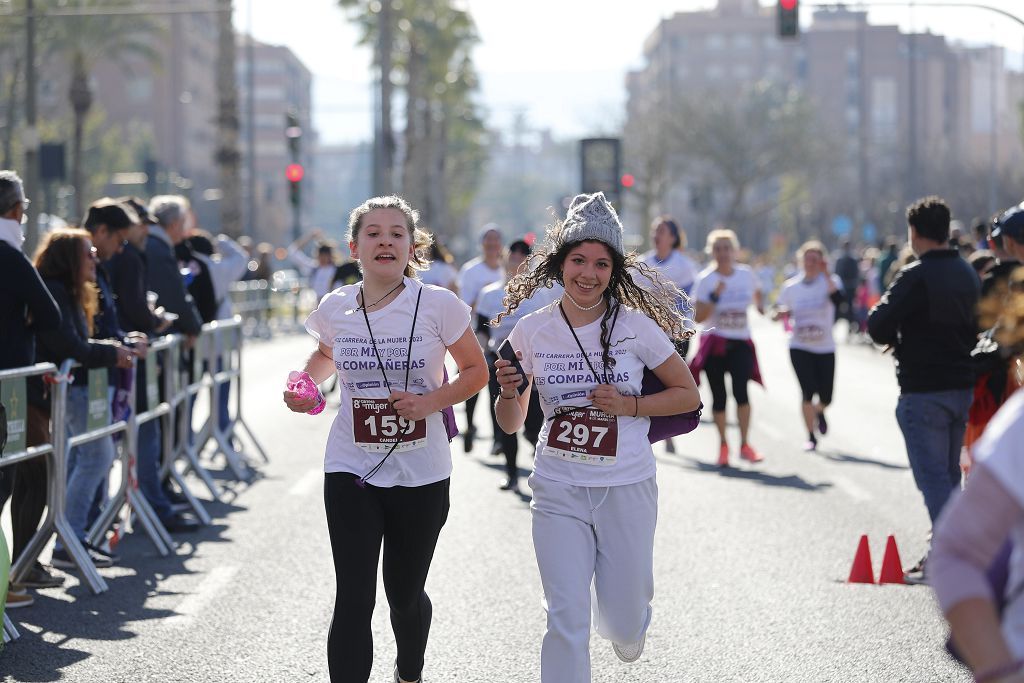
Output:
x=750 y=562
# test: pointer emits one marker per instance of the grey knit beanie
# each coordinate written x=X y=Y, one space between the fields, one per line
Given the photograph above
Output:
x=592 y=217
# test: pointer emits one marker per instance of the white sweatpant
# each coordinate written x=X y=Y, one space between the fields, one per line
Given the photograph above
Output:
x=599 y=539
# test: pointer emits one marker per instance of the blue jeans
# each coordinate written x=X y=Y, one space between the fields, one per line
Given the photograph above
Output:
x=147 y=466
x=933 y=425
x=88 y=464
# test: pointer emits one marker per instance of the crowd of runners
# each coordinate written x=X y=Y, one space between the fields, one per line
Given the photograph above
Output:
x=570 y=330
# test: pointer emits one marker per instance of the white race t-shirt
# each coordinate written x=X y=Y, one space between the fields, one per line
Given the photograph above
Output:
x=474 y=276
x=729 y=318
x=563 y=379
x=1000 y=449
x=439 y=273
x=812 y=313
x=441 y=321
x=678 y=268
x=489 y=304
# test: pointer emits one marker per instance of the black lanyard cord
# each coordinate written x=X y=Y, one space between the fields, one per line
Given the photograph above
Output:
x=361 y=481
x=603 y=377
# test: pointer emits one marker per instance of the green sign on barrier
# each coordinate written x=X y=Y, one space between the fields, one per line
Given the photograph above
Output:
x=152 y=386
x=12 y=395
x=98 y=415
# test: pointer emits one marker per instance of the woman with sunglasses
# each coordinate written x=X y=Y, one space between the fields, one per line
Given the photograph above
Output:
x=67 y=262
x=595 y=498
x=388 y=459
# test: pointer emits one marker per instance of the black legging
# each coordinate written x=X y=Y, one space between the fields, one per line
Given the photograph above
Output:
x=531 y=427
x=816 y=374
x=738 y=361
x=408 y=521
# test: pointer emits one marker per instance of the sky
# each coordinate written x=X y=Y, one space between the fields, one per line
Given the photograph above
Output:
x=559 y=63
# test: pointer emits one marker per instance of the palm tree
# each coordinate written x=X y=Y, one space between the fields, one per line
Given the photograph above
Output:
x=378 y=19
x=84 y=40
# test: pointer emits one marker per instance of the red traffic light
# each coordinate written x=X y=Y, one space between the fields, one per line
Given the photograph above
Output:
x=788 y=5
x=628 y=180
x=294 y=172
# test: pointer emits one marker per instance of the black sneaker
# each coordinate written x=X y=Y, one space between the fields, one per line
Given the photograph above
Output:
x=497 y=448
x=822 y=424
x=467 y=439
x=61 y=559
x=40 y=577
x=511 y=484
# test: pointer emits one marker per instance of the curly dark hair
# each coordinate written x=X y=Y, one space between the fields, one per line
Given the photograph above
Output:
x=658 y=303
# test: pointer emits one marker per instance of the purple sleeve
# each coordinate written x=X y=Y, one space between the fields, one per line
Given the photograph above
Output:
x=968 y=536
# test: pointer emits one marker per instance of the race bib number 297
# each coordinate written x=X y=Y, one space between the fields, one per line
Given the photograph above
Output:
x=584 y=435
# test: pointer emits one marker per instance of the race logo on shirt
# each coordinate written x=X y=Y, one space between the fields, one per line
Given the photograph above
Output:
x=367 y=385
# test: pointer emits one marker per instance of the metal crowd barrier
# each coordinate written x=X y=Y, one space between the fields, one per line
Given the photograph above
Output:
x=250 y=299
x=12 y=384
x=216 y=366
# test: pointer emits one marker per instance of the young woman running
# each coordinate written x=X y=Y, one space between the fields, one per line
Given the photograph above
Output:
x=388 y=460
x=807 y=302
x=595 y=498
x=724 y=292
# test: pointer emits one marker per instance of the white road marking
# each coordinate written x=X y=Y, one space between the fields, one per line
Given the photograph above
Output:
x=207 y=590
x=306 y=485
x=851 y=489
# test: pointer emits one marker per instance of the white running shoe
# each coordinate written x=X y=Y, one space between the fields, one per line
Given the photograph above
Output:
x=631 y=652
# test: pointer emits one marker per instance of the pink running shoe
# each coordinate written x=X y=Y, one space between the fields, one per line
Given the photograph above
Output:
x=747 y=452
x=723 y=455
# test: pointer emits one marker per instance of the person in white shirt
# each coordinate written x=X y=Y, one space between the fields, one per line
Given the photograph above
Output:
x=320 y=270
x=594 y=489
x=669 y=259
x=440 y=272
x=476 y=274
x=724 y=292
x=388 y=460
x=807 y=306
x=489 y=305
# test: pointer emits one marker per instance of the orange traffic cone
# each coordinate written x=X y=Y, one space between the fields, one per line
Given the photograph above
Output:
x=861 y=571
x=892 y=568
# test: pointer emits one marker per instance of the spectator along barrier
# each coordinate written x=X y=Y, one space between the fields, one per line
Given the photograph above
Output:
x=213 y=367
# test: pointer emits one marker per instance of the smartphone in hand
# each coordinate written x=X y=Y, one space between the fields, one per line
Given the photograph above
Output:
x=506 y=352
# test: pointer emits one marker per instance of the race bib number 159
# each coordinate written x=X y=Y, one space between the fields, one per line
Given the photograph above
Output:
x=376 y=427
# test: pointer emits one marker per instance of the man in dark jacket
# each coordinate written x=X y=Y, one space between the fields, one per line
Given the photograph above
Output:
x=26 y=308
x=928 y=317
x=164 y=274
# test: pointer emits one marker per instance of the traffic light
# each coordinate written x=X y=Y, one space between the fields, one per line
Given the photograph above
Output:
x=788 y=12
x=628 y=181
x=294 y=173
